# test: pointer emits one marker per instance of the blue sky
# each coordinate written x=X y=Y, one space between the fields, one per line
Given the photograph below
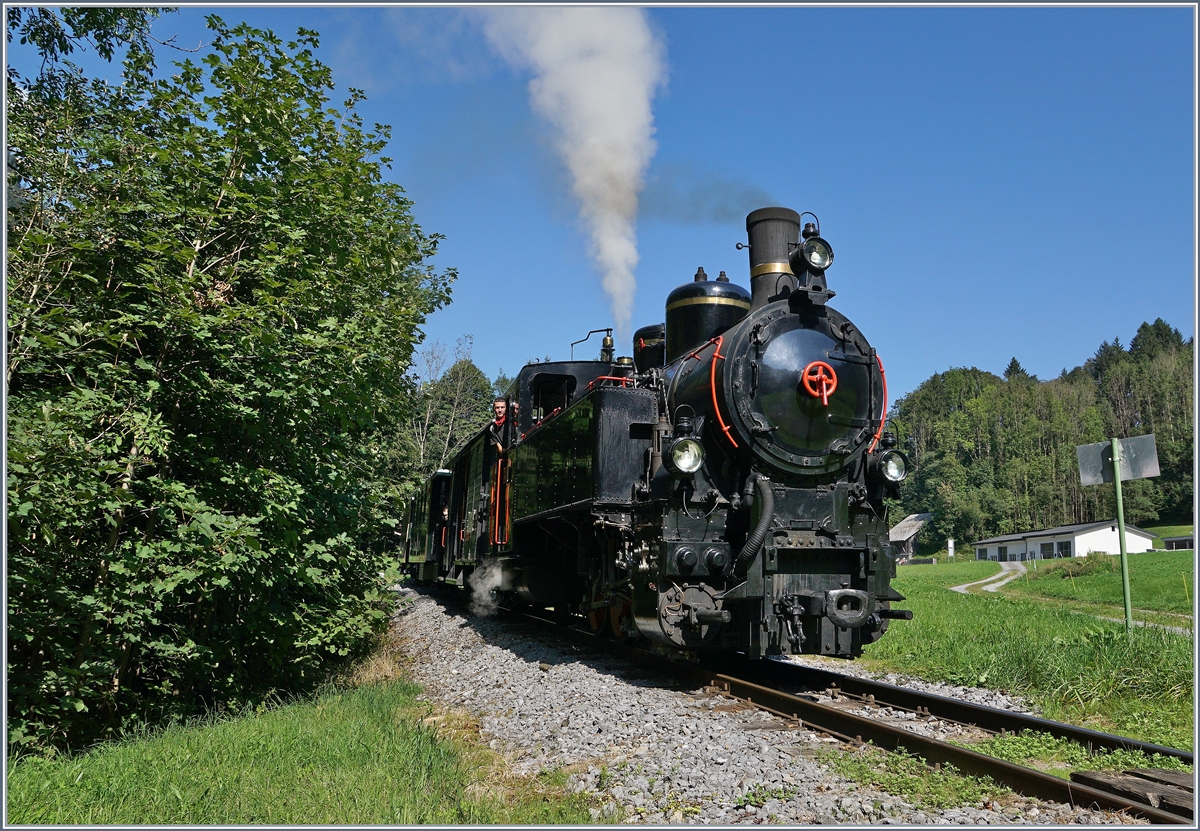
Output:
x=995 y=182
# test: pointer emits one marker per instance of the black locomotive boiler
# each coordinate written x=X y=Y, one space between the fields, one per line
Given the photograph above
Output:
x=721 y=489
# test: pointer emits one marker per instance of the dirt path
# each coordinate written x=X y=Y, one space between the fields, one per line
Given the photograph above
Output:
x=1008 y=571
x=1013 y=570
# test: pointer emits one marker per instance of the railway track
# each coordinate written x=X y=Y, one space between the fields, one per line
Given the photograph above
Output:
x=858 y=729
x=799 y=679
x=786 y=691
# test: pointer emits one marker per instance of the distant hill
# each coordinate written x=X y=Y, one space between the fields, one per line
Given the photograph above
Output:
x=996 y=455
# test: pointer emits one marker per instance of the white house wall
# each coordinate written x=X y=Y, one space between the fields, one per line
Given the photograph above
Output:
x=1104 y=539
x=1108 y=541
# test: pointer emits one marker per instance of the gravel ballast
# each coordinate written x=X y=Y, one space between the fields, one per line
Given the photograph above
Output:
x=649 y=752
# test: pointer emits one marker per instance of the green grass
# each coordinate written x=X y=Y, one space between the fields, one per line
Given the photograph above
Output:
x=949 y=574
x=1061 y=756
x=760 y=795
x=1158 y=581
x=1163 y=531
x=362 y=756
x=1076 y=668
x=909 y=776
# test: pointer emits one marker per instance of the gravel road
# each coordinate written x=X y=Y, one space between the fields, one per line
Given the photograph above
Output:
x=652 y=753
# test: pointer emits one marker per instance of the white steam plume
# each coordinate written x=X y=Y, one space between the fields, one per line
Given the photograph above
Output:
x=484 y=583
x=596 y=71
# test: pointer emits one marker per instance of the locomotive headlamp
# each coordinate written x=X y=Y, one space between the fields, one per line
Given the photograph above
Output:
x=893 y=465
x=817 y=254
x=684 y=456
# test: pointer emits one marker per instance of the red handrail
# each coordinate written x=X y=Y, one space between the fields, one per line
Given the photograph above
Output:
x=624 y=381
x=499 y=500
x=883 y=417
x=712 y=382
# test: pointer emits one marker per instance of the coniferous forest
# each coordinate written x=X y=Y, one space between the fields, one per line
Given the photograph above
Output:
x=996 y=455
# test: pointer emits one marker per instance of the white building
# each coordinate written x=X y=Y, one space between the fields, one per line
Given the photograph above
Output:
x=1064 y=541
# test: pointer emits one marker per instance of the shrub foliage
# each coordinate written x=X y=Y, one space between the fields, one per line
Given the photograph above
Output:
x=212 y=300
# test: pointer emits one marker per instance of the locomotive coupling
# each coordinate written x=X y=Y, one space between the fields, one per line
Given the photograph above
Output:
x=848 y=608
x=845 y=608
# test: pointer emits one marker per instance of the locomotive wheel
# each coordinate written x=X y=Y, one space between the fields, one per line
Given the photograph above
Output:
x=620 y=616
x=598 y=616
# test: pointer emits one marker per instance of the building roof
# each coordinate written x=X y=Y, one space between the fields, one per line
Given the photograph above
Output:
x=908 y=527
x=1061 y=531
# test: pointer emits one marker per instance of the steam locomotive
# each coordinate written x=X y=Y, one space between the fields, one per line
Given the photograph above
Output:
x=721 y=489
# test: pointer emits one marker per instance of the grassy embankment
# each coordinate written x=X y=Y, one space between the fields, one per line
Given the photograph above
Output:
x=1164 y=531
x=369 y=754
x=1160 y=585
x=1075 y=668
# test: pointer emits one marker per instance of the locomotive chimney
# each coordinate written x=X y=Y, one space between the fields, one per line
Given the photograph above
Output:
x=770 y=230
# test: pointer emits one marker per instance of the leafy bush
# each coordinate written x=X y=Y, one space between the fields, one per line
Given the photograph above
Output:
x=212 y=299
x=1066 y=568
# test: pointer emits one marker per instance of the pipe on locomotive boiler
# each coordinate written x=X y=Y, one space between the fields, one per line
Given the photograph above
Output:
x=766 y=503
x=772 y=233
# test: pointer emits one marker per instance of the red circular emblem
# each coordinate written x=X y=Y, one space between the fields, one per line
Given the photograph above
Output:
x=820 y=380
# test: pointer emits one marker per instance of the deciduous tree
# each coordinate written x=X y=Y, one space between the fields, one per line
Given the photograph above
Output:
x=213 y=296
x=453 y=403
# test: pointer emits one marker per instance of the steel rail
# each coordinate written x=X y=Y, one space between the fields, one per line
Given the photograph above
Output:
x=950 y=709
x=847 y=726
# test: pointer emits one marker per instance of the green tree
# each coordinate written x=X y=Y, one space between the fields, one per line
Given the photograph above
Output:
x=1014 y=369
x=57 y=33
x=995 y=455
x=1154 y=339
x=453 y=404
x=213 y=297
x=502 y=383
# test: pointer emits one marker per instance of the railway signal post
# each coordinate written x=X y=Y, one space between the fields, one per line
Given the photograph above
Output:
x=1112 y=461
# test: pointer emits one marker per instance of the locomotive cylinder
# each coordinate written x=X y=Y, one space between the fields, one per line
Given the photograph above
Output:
x=773 y=232
x=699 y=311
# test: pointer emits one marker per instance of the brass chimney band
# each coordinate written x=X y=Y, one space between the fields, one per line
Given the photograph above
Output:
x=771 y=268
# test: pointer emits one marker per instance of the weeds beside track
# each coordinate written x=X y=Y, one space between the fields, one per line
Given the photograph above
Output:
x=1077 y=669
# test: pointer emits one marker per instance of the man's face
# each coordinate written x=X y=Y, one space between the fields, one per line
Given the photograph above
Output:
x=498 y=407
